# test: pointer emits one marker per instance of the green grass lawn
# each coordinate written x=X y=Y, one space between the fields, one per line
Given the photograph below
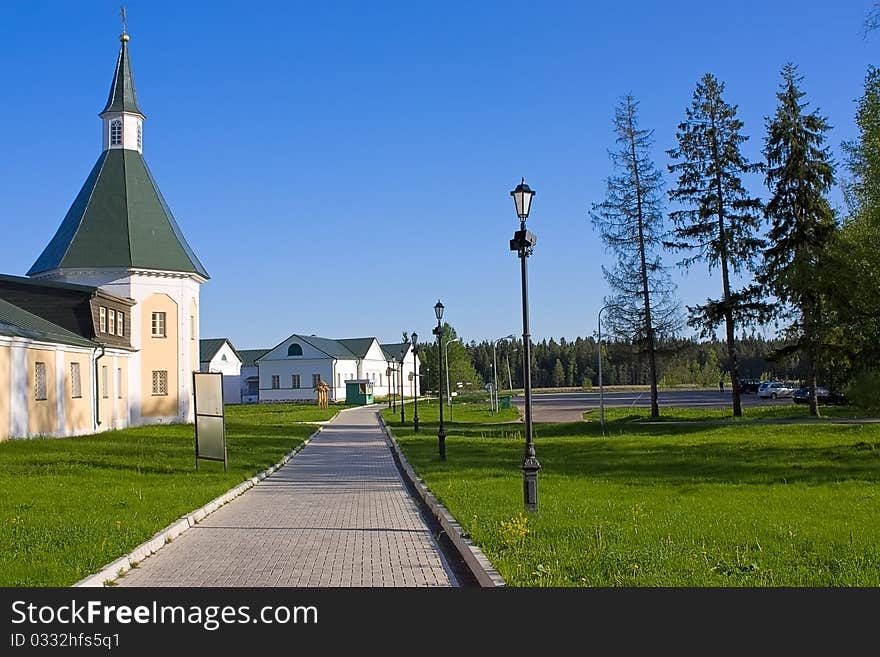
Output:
x=775 y=412
x=71 y=505
x=667 y=505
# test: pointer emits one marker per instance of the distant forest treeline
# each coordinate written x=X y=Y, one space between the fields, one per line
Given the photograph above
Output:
x=574 y=363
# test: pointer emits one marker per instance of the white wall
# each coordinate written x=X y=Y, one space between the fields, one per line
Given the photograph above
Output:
x=285 y=369
x=231 y=370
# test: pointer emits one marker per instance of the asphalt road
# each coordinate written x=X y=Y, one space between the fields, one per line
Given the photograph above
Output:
x=569 y=406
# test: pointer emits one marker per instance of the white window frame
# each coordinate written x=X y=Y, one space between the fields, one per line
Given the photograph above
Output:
x=316 y=379
x=111 y=322
x=158 y=324
x=102 y=319
x=105 y=382
x=120 y=324
x=140 y=136
x=116 y=132
x=118 y=383
x=276 y=382
x=294 y=381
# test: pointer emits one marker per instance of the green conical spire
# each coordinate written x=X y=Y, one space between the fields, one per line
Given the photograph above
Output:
x=123 y=97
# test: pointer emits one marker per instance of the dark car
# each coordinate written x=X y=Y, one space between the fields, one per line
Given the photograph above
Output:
x=749 y=385
x=823 y=396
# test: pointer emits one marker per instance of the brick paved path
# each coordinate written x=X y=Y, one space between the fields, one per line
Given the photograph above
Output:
x=337 y=514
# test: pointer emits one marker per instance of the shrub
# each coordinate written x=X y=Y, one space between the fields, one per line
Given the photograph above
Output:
x=864 y=390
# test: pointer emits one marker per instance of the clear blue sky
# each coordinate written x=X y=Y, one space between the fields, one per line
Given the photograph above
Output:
x=339 y=166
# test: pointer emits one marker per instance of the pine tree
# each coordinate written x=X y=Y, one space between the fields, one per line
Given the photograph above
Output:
x=630 y=220
x=799 y=173
x=719 y=221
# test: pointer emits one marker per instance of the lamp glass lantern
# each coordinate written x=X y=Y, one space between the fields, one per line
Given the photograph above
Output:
x=522 y=199
x=438 y=310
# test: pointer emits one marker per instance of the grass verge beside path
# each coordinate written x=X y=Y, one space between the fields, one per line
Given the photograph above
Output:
x=666 y=505
x=71 y=505
x=800 y=412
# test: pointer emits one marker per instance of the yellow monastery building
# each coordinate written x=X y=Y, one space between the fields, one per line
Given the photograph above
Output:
x=103 y=331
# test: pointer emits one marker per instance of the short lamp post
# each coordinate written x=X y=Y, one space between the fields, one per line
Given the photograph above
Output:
x=523 y=243
x=415 y=345
x=441 y=432
x=448 y=389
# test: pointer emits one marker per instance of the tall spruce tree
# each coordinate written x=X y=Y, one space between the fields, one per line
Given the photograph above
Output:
x=630 y=220
x=719 y=221
x=799 y=174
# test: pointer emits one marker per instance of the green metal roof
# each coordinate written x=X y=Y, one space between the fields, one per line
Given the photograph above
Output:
x=209 y=347
x=15 y=321
x=358 y=346
x=249 y=356
x=394 y=350
x=333 y=348
x=119 y=219
x=123 y=97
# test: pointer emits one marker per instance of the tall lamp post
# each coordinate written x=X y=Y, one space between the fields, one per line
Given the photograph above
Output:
x=495 y=365
x=448 y=389
x=601 y=390
x=400 y=380
x=523 y=243
x=441 y=432
x=414 y=337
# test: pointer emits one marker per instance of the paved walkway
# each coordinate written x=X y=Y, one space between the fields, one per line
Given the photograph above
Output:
x=337 y=514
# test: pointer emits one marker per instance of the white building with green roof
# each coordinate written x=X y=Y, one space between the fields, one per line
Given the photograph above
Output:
x=290 y=370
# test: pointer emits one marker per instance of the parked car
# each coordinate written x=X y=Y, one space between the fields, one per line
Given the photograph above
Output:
x=774 y=389
x=823 y=396
x=749 y=385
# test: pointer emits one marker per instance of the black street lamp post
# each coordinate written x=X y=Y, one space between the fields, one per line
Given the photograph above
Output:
x=414 y=337
x=402 y=391
x=441 y=432
x=523 y=243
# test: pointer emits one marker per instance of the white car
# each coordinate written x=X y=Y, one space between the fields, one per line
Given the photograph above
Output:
x=774 y=389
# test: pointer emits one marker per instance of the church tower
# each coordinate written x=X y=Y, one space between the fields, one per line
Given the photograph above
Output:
x=120 y=235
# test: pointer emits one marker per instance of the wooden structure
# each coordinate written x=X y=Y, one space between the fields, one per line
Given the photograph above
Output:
x=322 y=389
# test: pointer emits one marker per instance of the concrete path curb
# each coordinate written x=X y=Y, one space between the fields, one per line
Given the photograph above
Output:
x=114 y=569
x=480 y=566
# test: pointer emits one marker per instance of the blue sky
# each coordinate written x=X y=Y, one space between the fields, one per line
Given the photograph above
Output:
x=340 y=166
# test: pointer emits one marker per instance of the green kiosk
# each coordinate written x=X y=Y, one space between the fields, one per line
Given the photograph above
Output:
x=359 y=392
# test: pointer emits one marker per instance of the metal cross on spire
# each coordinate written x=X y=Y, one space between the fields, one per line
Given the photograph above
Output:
x=124 y=20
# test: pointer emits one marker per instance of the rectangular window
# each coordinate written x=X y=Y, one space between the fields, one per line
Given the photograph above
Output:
x=40 y=381
x=380 y=379
x=276 y=382
x=192 y=327
x=294 y=381
x=111 y=322
x=75 y=381
x=119 y=383
x=316 y=379
x=120 y=324
x=102 y=319
x=157 y=325
x=160 y=381
x=105 y=383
